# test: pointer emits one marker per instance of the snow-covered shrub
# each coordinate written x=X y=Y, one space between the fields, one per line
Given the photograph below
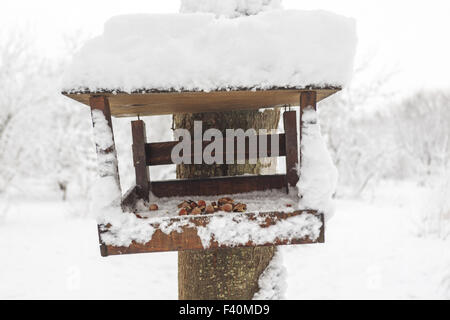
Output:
x=359 y=138
x=433 y=217
x=229 y=8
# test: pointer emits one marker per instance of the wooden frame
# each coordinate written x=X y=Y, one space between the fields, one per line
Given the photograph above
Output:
x=151 y=154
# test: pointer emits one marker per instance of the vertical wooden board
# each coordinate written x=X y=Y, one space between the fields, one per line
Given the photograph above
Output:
x=140 y=159
x=101 y=103
x=308 y=99
x=291 y=145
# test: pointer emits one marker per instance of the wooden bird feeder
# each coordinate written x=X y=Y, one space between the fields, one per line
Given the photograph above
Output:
x=150 y=102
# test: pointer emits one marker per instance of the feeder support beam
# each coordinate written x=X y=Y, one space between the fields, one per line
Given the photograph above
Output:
x=308 y=100
x=101 y=103
x=140 y=159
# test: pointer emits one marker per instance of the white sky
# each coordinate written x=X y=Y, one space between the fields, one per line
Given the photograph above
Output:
x=412 y=35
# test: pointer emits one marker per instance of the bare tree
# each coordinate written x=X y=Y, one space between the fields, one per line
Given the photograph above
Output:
x=422 y=130
x=356 y=133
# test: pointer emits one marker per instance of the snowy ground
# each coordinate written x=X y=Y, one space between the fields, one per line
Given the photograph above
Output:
x=371 y=251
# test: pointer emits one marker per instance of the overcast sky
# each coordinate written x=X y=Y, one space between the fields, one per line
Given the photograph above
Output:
x=412 y=35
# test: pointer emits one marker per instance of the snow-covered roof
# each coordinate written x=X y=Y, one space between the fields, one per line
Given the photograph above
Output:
x=202 y=52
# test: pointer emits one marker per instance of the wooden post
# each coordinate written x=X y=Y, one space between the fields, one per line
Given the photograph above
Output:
x=140 y=160
x=308 y=99
x=101 y=103
x=291 y=143
x=109 y=166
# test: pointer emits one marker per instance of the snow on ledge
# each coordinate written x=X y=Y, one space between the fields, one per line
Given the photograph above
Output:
x=229 y=229
x=199 y=52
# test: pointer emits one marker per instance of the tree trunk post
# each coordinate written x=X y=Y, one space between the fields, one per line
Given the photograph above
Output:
x=231 y=273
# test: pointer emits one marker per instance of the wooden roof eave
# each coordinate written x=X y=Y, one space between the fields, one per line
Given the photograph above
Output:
x=156 y=102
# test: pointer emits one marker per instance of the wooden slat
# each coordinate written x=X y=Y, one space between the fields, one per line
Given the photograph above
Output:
x=188 y=238
x=217 y=186
x=157 y=103
x=290 y=128
x=140 y=159
x=159 y=153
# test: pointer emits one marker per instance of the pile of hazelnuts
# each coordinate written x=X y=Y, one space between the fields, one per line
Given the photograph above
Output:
x=200 y=207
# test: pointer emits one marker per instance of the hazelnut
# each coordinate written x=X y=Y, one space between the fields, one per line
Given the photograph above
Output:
x=225 y=200
x=184 y=204
x=201 y=203
x=227 y=207
x=240 y=207
x=192 y=204
x=153 y=207
x=210 y=209
x=196 y=210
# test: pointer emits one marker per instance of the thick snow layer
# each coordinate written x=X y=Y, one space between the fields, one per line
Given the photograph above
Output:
x=318 y=175
x=279 y=48
x=229 y=8
x=231 y=230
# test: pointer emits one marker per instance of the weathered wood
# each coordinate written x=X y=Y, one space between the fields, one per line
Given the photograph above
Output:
x=157 y=103
x=159 y=153
x=140 y=159
x=130 y=199
x=188 y=239
x=308 y=99
x=290 y=128
x=217 y=185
